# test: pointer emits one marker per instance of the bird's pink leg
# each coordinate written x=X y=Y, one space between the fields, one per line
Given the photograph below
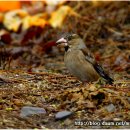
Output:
x=86 y=83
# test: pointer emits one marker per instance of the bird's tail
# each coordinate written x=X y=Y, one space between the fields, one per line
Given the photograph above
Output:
x=101 y=72
x=108 y=79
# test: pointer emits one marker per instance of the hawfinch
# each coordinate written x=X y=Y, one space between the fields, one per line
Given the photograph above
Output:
x=79 y=60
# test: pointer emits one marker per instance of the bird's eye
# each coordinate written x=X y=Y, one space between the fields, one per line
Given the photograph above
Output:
x=69 y=37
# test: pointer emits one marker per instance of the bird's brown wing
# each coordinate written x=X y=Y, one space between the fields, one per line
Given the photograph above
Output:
x=90 y=58
x=88 y=55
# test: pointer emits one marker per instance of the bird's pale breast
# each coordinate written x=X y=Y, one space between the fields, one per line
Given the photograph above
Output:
x=77 y=65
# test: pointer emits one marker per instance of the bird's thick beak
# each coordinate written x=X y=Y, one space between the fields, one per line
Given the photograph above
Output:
x=62 y=41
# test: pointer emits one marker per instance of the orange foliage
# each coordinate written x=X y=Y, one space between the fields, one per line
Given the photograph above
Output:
x=9 y=5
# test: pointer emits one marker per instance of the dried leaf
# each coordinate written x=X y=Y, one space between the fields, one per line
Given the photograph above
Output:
x=58 y=17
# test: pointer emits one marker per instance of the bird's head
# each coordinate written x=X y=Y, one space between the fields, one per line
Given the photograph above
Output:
x=72 y=41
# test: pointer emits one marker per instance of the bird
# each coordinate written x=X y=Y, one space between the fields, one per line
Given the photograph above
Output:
x=80 y=61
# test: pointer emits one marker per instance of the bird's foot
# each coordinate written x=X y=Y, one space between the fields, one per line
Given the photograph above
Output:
x=100 y=81
x=86 y=83
x=90 y=86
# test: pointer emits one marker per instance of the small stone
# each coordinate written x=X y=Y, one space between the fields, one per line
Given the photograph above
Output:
x=110 y=108
x=27 y=111
x=62 y=115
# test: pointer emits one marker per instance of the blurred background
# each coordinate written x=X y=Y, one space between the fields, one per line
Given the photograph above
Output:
x=29 y=29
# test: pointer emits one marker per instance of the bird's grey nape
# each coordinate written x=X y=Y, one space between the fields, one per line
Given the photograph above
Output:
x=64 y=34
